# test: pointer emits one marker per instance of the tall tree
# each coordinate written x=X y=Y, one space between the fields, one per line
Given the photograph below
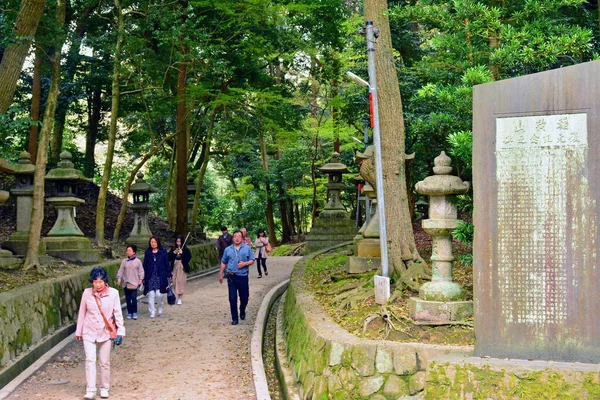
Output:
x=181 y=225
x=14 y=55
x=37 y=212
x=36 y=99
x=112 y=133
x=405 y=262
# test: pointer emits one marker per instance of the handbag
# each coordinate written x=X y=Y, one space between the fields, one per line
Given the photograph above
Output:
x=171 y=298
x=268 y=248
x=110 y=326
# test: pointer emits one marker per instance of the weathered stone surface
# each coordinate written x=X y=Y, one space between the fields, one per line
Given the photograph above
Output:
x=377 y=397
x=370 y=385
x=363 y=359
x=307 y=385
x=347 y=377
x=405 y=361
x=358 y=265
x=417 y=382
x=395 y=387
x=334 y=383
x=439 y=311
x=335 y=354
x=384 y=360
x=321 y=388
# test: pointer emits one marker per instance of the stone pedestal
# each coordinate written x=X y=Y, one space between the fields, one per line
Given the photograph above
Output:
x=17 y=242
x=7 y=261
x=140 y=234
x=441 y=300
x=65 y=240
x=334 y=225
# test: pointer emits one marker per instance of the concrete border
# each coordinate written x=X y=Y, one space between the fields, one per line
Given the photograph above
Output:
x=284 y=373
x=261 y=387
x=20 y=370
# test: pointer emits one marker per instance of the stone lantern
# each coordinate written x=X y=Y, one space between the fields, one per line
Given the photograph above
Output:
x=23 y=191
x=368 y=248
x=334 y=225
x=140 y=234
x=7 y=261
x=65 y=240
x=441 y=300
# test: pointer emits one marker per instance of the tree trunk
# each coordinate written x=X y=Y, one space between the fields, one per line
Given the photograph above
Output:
x=37 y=212
x=286 y=234
x=71 y=62
x=95 y=106
x=14 y=55
x=181 y=225
x=112 y=132
x=269 y=210
x=171 y=196
x=36 y=97
x=405 y=261
x=205 y=157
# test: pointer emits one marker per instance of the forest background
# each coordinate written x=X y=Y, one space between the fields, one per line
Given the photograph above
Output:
x=246 y=99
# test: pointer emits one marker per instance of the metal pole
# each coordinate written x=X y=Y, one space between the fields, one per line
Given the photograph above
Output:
x=377 y=141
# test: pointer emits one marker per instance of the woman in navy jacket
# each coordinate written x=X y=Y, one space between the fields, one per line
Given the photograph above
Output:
x=157 y=272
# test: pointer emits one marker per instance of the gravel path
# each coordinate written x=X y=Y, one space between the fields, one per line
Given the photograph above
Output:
x=190 y=352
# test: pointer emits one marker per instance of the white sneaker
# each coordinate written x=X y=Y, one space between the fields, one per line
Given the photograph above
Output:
x=160 y=310
x=90 y=395
x=152 y=314
x=104 y=393
x=179 y=302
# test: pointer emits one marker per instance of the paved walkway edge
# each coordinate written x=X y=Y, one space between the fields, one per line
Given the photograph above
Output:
x=261 y=385
x=35 y=358
x=284 y=373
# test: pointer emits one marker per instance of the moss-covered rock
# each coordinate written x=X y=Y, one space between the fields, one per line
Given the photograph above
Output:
x=370 y=385
x=384 y=360
x=363 y=358
x=395 y=387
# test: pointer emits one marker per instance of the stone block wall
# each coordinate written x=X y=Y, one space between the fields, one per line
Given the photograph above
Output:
x=330 y=363
x=30 y=314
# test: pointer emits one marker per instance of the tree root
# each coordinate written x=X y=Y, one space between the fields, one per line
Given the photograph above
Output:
x=388 y=318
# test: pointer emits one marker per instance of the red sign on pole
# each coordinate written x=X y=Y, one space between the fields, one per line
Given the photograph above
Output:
x=371 y=113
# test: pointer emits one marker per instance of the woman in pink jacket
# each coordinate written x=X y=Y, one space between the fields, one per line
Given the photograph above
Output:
x=91 y=329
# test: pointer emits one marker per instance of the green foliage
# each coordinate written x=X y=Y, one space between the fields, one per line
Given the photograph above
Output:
x=464 y=233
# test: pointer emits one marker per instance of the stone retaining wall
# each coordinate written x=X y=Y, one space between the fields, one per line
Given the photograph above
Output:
x=329 y=362
x=30 y=314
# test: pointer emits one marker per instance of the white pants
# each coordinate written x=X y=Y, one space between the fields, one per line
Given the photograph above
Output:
x=159 y=299
x=90 y=364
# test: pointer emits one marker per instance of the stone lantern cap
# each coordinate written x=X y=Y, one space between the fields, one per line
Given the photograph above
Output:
x=442 y=184
x=140 y=185
x=66 y=171
x=24 y=167
x=334 y=166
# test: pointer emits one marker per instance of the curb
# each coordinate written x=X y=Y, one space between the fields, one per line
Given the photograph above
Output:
x=261 y=387
x=26 y=366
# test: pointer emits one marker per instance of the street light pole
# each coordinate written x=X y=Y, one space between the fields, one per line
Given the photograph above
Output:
x=382 y=283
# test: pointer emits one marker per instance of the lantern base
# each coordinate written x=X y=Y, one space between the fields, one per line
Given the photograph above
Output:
x=77 y=250
x=18 y=241
x=439 y=312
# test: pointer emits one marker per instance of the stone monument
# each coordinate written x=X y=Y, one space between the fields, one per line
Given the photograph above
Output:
x=535 y=259
x=23 y=191
x=140 y=234
x=65 y=240
x=7 y=261
x=334 y=225
x=441 y=300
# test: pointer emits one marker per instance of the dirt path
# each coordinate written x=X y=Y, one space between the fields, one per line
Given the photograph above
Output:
x=190 y=352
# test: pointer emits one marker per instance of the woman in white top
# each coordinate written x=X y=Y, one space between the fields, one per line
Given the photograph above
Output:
x=260 y=254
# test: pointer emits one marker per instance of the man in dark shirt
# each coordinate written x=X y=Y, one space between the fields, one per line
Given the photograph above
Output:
x=224 y=241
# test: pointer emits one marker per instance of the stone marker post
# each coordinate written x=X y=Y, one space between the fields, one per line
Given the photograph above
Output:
x=23 y=191
x=334 y=225
x=440 y=301
x=140 y=234
x=65 y=240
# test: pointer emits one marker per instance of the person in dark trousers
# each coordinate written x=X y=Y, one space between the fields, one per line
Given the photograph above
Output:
x=223 y=242
x=234 y=265
x=131 y=274
x=260 y=254
x=157 y=271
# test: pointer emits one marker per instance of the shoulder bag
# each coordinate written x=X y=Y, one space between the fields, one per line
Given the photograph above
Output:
x=110 y=326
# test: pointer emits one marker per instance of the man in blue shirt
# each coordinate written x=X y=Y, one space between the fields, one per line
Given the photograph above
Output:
x=234 y=265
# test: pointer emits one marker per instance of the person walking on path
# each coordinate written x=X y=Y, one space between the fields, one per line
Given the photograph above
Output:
x=180 y=257
x=223 y=242
x=234 y=264
x=245 y=239
x=157 y=271
x=260 y=254
x=99 y=305
x=131 y=275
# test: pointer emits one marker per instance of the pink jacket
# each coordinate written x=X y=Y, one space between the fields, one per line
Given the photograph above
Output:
x=90 y=324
